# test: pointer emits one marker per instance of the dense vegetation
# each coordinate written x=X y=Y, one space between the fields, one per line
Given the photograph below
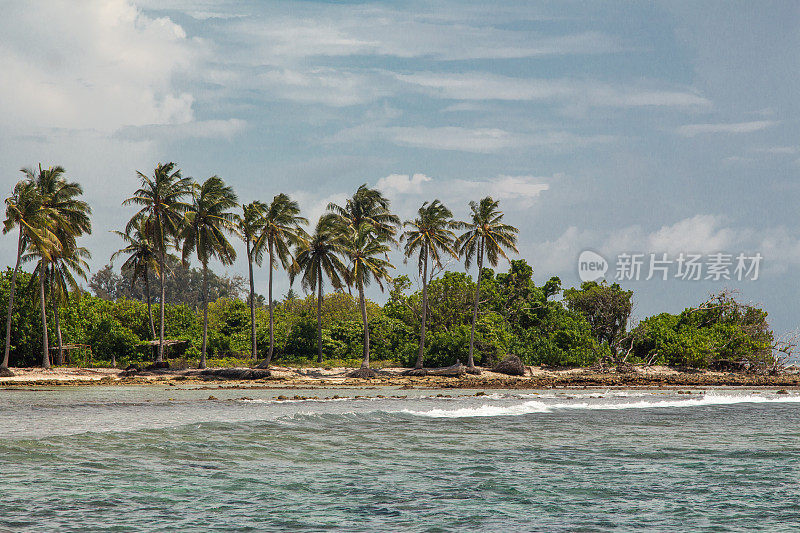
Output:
x=448 y=318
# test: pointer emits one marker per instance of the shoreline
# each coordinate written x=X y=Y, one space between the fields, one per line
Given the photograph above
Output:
x=327 y=377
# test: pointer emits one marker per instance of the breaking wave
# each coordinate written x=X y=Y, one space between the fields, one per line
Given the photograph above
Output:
x=535 y=406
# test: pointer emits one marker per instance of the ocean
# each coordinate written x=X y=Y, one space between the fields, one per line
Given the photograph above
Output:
x=163 y=458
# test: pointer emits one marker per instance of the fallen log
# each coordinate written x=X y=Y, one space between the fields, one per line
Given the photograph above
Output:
x=456 y=370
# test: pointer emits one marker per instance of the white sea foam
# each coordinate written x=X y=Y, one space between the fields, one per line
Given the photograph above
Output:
x=593 y=394
x=484 y=410
x=535 y=406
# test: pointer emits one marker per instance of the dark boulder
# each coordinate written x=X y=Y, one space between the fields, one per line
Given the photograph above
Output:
x=130 y=370
x=158 y=365
x=416 y=372
x=362 y=373
x=511 y=365
x=727 y=365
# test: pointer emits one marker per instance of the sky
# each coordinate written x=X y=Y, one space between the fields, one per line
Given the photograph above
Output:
x=616 y=127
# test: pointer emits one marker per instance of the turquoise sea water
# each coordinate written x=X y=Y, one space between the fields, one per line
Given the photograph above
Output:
x=169 y=459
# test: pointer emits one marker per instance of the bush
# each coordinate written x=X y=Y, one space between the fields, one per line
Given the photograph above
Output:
x=718 y=330
x=109 y=338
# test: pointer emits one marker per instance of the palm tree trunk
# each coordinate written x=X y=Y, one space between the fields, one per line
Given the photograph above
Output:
x=45 y=345
x=253 y=342
x=160 y=357
x=420 y=355
x=60 y=358
x=470 y=360
x=11 y=302
x=205 y=315
x=319 y=317
x=149 y=304
x=363 y=305
x=271 y=317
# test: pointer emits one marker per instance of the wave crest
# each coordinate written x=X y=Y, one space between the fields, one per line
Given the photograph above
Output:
x=542 y=407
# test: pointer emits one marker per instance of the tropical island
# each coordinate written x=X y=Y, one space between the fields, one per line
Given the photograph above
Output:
x=159 y=317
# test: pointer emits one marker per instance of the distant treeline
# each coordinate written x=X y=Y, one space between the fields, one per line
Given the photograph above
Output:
x=449 y=318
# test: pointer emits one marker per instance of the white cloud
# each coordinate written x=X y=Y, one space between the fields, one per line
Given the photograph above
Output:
x=703 y=234
x=483 y=140
x=199 y=129
x=329 y=86
x=700 y=233
x=402 y=183
x=370 y=30
x=520 y=190
x=94 y=64
x=780 y=248
x=206 y=15
x=778 y=150
x=313 y=206
x=697 y=234
x=690 y=130
x=738 y=159
x=483 y=86
x=464 y=106
x=560 y=255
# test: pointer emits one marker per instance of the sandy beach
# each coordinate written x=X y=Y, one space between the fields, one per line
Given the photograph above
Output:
x=285 y=377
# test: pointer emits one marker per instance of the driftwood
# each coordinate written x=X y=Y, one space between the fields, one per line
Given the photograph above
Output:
x=456 y=370
x=235 y=373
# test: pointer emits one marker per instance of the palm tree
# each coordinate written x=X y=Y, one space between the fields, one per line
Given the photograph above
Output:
x=25 y=209
x=60 y=274
x=366 y=249
x=486 y=236
x=141 y=260
x=43 y=253
x=69 y=218
x=429 y=235
x=207 y=221
x=281 y=231
x=249 y=227
x=160 y=201
x=317 y=258
x=366 y=205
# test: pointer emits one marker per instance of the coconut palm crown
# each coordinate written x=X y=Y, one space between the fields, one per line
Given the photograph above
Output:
x=430 y=235
x=68 y=217
x=281 y=231
x=366 y=206
x=317 y=259
x=208 y=220
x=142 y=259
x=26 y=210
x=249 y=226
x=486 y=236
x=366 y=251
x=160 y=201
